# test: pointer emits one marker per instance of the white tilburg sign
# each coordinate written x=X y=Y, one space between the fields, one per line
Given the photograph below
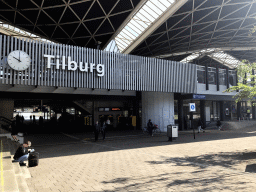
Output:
x=72 y=65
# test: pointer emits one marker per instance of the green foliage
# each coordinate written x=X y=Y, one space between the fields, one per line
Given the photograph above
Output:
x=246 y=82
x=252 y=31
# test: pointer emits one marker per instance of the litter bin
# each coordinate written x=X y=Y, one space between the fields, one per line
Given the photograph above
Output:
x=172 y=131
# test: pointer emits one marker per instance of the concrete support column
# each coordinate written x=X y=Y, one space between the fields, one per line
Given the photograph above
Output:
x=159 y=107
x=6 y=107
x=180 y=115
x=136 y=108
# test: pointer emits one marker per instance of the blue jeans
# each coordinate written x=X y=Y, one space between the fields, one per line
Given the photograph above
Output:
x=22 y=158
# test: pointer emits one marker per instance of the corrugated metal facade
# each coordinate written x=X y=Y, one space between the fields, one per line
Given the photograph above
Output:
x=123 y=72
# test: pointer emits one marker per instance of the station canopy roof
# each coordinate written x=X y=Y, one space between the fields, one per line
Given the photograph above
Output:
x=195 y=31
x=74 y=22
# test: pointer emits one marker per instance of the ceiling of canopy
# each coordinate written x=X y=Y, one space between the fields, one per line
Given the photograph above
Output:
x=201 y=25
x=194 y=31
x=73 y=22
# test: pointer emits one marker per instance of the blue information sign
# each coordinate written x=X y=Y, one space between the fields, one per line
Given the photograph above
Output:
x=198 y=96
x=192 y=107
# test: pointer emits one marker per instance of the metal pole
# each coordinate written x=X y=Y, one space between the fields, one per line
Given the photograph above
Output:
x=191 y=124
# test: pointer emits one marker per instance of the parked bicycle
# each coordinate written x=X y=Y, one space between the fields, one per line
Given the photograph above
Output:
x=155 y=130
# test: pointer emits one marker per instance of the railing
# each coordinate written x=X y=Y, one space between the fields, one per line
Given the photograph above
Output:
x=5 y=123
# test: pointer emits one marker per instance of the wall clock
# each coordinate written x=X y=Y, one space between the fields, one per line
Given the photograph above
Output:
x=18 y=60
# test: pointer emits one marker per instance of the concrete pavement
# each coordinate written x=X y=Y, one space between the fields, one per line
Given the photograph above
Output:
x=215 y=161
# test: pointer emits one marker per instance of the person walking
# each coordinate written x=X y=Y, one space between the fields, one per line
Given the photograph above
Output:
x=199 y=125
x=103 y=130
x=150 y=127
x=96 y=130
x=218 y=124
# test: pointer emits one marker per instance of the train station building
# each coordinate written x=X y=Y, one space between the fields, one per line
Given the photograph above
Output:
x=125 y=61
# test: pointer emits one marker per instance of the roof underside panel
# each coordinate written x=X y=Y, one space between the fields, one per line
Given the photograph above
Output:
x=66 y=21
x=203 y=24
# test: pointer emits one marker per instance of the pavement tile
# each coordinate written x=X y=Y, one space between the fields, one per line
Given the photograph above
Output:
x=214 y=161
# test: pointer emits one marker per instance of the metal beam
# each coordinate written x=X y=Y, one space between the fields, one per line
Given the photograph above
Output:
x=167 y=14
x=217 y=49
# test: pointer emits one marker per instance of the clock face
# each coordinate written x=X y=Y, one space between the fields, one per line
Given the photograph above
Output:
x=18 y=60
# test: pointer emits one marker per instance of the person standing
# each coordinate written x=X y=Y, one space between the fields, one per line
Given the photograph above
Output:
x=22 y=119
x=248 y=113
x=150 y=127
x=34 y=119
x=96 y=130
x=108 y=123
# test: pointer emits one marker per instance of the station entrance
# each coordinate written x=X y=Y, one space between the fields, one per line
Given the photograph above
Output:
x=70 y=114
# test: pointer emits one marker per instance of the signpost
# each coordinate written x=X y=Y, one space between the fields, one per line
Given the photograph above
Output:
x=192 y=108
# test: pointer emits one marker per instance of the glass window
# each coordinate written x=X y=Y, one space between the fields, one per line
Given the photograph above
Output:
x=200 y=74
x=222 y=76
x=232 y=77
x=212 y=75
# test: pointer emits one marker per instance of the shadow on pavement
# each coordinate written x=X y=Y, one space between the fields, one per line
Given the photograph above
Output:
x=172 y=183
x=205 y=179
x=225 y=160
x=251 y=168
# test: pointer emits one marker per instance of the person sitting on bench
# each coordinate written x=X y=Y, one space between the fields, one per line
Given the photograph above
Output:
x=22 y=153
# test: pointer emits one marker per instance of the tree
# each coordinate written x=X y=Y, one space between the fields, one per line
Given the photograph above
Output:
x=246 y=82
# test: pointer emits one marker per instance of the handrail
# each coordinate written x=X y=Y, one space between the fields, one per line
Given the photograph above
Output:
x=5 y=119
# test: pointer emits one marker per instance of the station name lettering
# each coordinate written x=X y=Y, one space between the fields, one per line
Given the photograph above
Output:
x=72 y=65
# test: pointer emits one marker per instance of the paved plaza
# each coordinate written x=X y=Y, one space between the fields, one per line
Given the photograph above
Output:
x=130 y=161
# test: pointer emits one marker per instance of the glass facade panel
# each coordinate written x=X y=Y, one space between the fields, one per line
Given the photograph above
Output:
x=212 y=75
x=222 y=76
x=232 y=77
x=200 y=74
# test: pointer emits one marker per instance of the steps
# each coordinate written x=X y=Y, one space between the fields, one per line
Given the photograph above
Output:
x=13 y=177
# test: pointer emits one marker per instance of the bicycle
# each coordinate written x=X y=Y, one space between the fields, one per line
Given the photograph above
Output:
x=155 y=130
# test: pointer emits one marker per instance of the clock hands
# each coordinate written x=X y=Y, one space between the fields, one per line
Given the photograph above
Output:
x=16 y=59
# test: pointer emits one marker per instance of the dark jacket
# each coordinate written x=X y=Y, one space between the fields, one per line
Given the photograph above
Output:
x=97 y=128
x=20 y=152
x=199 y=123
x=150 y=125
x=218 y=123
